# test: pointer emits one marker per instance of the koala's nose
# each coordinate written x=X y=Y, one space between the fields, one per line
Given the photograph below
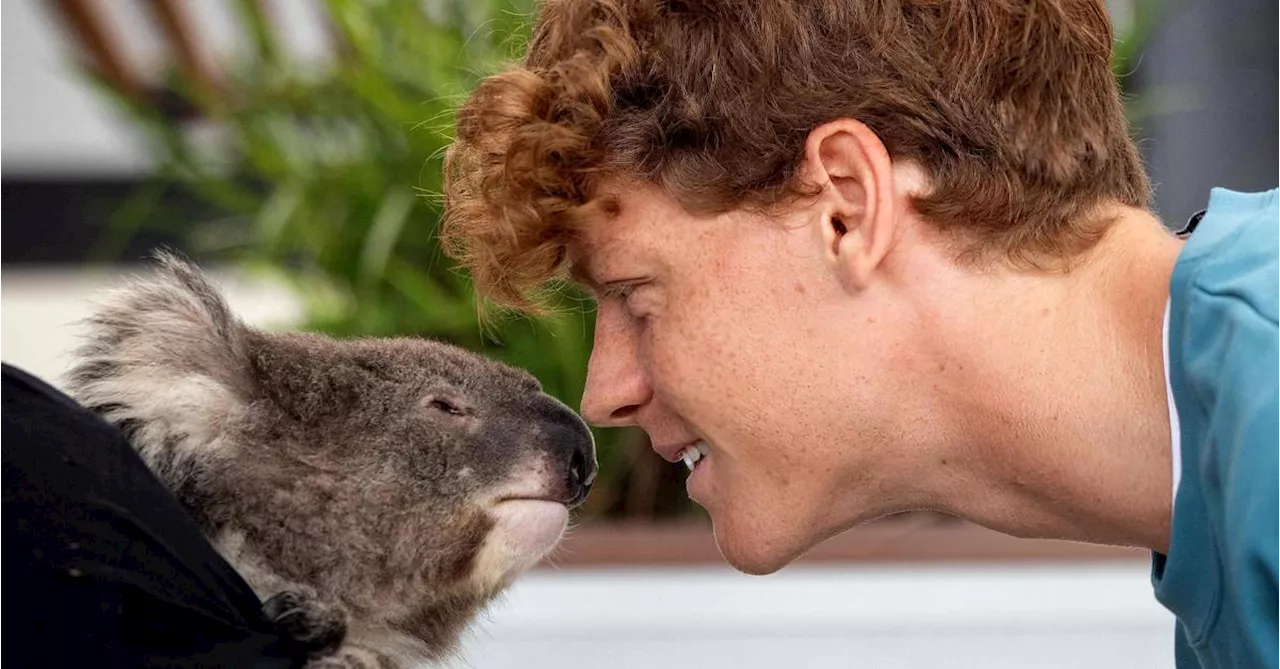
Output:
x=572 y=447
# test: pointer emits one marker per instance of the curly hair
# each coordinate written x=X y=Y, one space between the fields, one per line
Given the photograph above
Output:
x=1009 y=106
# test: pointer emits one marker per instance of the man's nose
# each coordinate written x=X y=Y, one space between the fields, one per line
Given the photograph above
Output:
x=616 y=384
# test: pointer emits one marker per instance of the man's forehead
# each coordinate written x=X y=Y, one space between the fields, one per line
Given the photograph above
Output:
x=611 y=232
x=643 y=226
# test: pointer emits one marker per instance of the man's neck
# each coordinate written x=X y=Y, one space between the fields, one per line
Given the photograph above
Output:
x=1062 y=428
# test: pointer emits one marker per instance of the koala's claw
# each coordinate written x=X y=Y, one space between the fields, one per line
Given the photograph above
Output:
x=311 y=623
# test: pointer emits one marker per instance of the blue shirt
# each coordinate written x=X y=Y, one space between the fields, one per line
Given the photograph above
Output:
x=1219 y=575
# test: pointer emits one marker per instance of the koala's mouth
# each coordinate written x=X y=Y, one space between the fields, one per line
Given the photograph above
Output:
x=525 y=529
x=530 y=513
x=530 y=502
x=568 y=501
x=570 y=492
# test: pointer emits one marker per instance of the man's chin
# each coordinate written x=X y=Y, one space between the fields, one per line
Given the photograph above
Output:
x=755 y=553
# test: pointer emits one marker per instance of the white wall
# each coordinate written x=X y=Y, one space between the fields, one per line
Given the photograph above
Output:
x=50 y=121
x=54 y=123
x=993 y=617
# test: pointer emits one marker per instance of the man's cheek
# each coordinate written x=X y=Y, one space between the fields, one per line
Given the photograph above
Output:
x=671 y=354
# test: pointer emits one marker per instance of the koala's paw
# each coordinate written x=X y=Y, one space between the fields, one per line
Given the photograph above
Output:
x=315 y=625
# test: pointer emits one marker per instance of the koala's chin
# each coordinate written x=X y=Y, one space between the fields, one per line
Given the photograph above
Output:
x=375 y=493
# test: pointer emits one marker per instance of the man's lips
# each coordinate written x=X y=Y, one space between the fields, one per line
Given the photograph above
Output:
x=692 y=455
x=672 y=452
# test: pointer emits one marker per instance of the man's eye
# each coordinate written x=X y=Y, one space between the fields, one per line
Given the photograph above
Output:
x=624 y=292
x=620 y=291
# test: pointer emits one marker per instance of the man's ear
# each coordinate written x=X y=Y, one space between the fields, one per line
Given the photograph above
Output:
x=857 y=211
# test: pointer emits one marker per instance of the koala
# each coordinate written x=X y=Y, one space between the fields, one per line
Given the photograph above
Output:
x=376 y=494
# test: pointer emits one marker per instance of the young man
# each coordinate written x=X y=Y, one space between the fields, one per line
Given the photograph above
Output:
x=879 y=256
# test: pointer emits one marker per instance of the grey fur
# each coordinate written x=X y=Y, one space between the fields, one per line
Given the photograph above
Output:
x=350 y=481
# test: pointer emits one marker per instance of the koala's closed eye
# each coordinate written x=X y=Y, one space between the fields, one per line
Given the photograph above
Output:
x=447 y=406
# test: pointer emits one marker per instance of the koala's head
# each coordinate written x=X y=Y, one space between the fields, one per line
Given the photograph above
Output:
x=408 y=479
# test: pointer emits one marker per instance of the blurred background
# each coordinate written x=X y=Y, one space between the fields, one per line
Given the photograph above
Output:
x=294 y=148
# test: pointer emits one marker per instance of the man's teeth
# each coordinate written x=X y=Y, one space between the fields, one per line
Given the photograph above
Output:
x=693 y=454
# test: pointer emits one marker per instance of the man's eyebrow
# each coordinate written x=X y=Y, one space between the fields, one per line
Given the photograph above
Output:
x=581 y=274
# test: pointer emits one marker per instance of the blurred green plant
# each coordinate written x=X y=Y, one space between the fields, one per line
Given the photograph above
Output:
x=323 y=174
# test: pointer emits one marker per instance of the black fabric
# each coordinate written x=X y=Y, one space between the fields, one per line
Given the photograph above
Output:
x=1190 y=227
x=102 y=566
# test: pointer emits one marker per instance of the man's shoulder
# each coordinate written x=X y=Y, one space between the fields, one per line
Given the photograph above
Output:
x=1223 y=343
x=1224 y=298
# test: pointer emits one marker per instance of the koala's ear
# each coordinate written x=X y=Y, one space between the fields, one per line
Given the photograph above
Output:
x=165 y=359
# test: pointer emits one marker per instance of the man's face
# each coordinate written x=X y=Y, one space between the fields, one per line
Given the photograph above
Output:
x=733 y=330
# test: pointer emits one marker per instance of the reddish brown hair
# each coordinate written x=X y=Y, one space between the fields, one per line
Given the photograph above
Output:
x=1010 y=106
